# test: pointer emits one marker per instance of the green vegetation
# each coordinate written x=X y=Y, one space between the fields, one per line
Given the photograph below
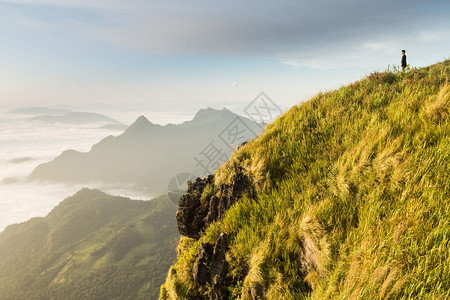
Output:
x=353 y=198
x=207 y=193
x=91 y=246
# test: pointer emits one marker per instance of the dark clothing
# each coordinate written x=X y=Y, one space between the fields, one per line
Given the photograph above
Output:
x=404 y=61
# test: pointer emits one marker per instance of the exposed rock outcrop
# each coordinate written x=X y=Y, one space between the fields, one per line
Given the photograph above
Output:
x=201 y=269
x=197 y=209
x=191 y=214
x=211 y=267
x=202 y=204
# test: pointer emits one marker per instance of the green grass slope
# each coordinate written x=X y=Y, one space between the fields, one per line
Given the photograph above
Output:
x=353 y=198
x=91 y=246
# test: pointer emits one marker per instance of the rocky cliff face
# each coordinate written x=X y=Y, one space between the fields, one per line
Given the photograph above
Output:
x=211 y=267
x=203 y=203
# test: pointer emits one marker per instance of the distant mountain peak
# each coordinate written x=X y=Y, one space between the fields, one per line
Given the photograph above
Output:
x=210 y=110
x=206 y=115
x=142 y=124
x=142 y=120
x=146 y=154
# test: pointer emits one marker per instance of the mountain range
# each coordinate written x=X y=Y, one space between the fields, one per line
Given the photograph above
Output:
x=345 y=196
x=91 y=246
x=76 y=118
x=148 y=155
x=39 y=111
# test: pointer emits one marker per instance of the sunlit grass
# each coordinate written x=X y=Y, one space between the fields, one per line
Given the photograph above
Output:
x=362 y=176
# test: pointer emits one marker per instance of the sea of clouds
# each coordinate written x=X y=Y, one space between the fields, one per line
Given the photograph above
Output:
x=25 y=144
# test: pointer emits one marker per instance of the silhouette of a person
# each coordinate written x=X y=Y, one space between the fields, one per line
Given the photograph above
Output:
x=403 y=60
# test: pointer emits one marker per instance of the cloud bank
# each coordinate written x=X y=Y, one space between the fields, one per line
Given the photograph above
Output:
x=26 y=144
x=300 y=33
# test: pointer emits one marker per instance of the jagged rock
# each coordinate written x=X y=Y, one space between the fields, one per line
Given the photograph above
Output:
x=211 y=267
x=219 y=266
x=218 y=290
x=193 y=216
x=219 y=270
x=213 y=212
x=200 y=271
x=231 y=192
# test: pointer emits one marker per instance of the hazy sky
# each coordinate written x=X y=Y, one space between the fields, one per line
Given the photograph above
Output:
x=163 y=55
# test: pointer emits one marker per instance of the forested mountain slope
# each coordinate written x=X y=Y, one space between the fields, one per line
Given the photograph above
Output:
x=91 y=246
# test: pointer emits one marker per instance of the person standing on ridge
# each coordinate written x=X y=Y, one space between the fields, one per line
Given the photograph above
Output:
x=403 y=60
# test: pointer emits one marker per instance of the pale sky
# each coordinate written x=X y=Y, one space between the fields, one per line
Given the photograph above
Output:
x=181 y=55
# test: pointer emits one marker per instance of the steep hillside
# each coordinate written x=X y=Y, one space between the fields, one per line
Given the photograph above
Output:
x=91 y=246
x=149 y=155
x=346 y=196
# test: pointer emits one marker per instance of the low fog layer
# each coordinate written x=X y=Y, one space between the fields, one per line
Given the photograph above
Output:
x=149 y=155
x=139 y=162
x=24 y=145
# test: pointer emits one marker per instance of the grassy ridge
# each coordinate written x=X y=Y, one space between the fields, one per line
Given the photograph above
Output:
x=91 y=246
x=353 y=198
